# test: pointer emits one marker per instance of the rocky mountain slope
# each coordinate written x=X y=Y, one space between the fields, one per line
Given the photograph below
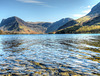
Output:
x=70 y=23
x=40 y=27
x=95 y=11
x=15 y=25
x=54 y=26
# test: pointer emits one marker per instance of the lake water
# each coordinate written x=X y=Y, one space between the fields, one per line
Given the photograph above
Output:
x=59 y=55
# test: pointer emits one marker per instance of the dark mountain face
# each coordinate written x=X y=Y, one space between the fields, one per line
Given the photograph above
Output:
x=43 y=24
x=92 y=21
x=95 y=11
x=12 y=24
x=12 y=20
x=46 y=24
x=70 y=23
x=54 y=26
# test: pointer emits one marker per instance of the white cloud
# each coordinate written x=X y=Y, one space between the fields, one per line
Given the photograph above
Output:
x=35 y=2
x=86 y=11
x=83 y=13
x=89 y=6
x=30 y=1
x=78 y=15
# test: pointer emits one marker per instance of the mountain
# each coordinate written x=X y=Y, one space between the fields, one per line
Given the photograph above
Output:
x=87 y=24
x=70 y=23
x=40 y=27
x=92 y=21
x=54 y=26
x=43 y=24
x=90 y=26
x=17 y=25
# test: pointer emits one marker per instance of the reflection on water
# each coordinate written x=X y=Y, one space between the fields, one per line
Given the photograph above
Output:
x=59 y=55
x=12 y=45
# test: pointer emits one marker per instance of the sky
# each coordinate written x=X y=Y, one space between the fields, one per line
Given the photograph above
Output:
x=45 y=10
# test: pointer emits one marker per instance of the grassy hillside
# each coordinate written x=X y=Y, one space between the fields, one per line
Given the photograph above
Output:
x=80 y=29
x=71 y=29
x=84 y=25
x=89 y=29
x=83 y=19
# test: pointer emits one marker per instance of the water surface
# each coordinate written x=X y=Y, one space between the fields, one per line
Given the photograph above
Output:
x=60 y=55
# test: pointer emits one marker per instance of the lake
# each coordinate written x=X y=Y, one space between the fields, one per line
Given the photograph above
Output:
x=49 y=55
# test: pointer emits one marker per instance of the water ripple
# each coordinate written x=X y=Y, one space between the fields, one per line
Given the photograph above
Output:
x=61 y=55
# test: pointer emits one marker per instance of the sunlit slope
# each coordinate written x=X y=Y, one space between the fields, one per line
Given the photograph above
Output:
x=90 y=26
x=87 y=24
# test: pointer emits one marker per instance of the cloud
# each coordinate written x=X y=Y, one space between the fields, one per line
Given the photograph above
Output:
x=86 y=11
x=83 y=13
x=88 y=7
x=78 y=15
x=35 y=2
x=30 y=1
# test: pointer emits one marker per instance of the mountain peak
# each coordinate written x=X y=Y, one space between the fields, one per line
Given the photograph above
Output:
x=95 y=11
x=10 y=19
x=13 y=17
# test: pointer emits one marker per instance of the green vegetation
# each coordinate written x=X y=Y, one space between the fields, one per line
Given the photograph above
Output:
x=71 y=29
x=83 y=19
x=89 y=29
x=81 y=29
x=75 y=28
